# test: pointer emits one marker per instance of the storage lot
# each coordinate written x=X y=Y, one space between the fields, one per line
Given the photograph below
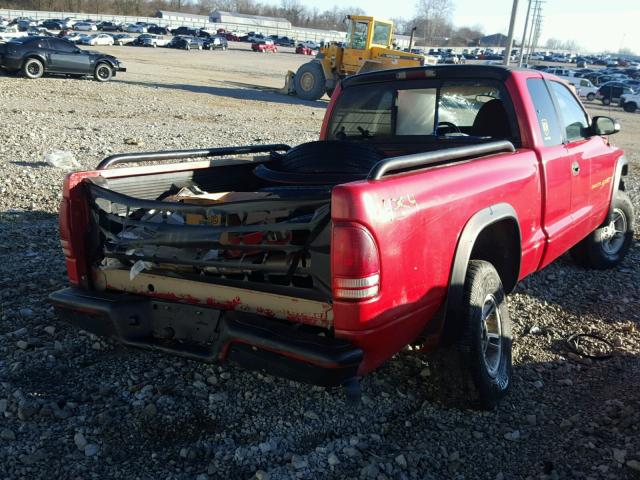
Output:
x=152 y=416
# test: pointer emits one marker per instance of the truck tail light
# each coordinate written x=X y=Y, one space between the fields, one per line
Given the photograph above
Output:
x=73 y=224
x=355 y=263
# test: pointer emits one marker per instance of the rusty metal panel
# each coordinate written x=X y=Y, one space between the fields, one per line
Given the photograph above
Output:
x=222 y=297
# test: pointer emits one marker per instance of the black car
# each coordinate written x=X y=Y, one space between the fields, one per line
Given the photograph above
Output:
x=157 y=30
x=611 y=92
x=216 y=42
x=187 y=43
x=109 y=27
x=53 y=24
x=192 y=32
x=35 y=56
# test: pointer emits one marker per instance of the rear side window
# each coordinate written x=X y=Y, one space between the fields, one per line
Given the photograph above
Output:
x=545 y=111
x=63 y=46
x=574 y=118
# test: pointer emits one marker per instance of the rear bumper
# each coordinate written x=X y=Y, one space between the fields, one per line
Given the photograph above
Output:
x=205 y=334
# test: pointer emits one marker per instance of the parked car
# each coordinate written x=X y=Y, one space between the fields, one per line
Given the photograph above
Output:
x=53 y=24
x=217 y=42
x=630 y=102
x=4 y=22
x=302 y=50
x=96 y=39
x=283 y=41
x=310 y=44
x=121 y=39
x=25 y=23
x=611 y=92
x=255 y=37
x=85 y=27
x=584 y=87
x=76 y=37
x=109 y=27
x=352 y=285
x=186 y=43
x=264 y=46
x=157 y=30
x=36 y=56
x=135 y=28
x=154 y=41
x=232 y=36
x=185 y=31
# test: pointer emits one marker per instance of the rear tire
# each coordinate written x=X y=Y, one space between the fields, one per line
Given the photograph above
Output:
x=630 y=107
x=475 y=371
x=607 y=246
x=310 y=82
x=591 y=96
x=33 y=68
x=103 y=72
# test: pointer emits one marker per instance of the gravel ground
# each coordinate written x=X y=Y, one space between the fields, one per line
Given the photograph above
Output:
x=75 y=406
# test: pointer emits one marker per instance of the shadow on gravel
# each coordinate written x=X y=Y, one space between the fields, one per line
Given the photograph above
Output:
x=240 y=91
x=22 y=163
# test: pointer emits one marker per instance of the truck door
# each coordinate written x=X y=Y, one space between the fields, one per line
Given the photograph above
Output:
x=556 y=174
x=583 y=151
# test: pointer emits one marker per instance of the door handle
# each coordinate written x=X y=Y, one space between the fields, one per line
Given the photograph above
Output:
x=575 y=168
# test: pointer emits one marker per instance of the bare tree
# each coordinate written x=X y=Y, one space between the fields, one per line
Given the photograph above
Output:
x=434 y=16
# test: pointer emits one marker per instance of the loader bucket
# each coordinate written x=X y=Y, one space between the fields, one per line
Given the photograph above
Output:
x=289 y=86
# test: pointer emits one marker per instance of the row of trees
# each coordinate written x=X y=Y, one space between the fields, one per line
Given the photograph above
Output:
x=433 y=18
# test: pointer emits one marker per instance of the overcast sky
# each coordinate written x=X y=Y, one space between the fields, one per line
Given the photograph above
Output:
x=596 y=25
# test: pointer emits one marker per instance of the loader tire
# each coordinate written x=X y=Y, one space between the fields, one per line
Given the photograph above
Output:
x=310 y=81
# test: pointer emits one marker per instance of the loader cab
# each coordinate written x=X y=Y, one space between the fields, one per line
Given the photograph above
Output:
x=363 y=34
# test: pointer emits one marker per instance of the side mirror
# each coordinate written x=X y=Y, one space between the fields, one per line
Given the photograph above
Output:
x=605 y=126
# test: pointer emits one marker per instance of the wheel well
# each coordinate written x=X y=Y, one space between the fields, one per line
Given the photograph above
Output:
x=499 y=244
x=33 y=56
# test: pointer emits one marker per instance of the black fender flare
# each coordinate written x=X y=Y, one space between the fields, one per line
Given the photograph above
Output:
x=622 y=168
x=470 y=233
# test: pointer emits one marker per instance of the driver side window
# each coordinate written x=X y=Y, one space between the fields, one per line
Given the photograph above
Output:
x=574 y=118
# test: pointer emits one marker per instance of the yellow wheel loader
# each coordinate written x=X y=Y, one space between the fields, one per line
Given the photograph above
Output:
x=368 y=46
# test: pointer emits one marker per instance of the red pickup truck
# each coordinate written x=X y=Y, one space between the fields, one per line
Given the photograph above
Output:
x=431 y=192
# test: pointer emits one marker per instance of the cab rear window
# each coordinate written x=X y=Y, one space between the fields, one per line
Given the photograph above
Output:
x=437 y=109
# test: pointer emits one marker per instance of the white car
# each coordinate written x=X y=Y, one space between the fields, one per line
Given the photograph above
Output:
x=135 y=28
x=583 y=86
x=630 y=102
x=98 y=39
x=154 y=41
x=3 y=22
x=85 y=27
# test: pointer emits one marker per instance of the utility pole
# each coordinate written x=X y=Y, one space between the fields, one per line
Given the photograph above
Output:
x=534 y=25
x=524 y=35
x=512 y=24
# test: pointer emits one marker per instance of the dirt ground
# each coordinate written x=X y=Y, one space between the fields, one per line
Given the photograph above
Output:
x=237 y=65
x=76 y=406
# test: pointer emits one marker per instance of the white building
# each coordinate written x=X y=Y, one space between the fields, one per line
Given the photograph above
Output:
x=253 y=21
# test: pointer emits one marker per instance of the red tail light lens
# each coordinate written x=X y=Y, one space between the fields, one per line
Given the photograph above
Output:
x=355 y=263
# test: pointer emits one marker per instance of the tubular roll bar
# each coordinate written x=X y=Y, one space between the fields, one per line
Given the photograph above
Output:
x=180 y=154
x=424 y=159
